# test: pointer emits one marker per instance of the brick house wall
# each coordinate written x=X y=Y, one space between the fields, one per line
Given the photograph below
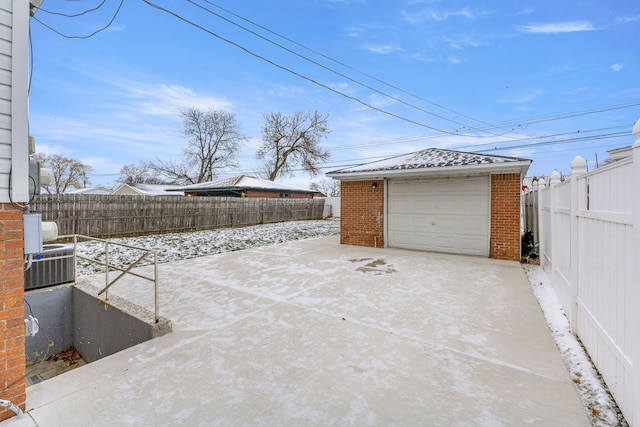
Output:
x=12 y=339
x=504 y=242
x=362 y=213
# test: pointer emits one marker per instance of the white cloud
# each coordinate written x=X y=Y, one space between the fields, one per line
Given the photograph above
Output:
x=438 y=16
x=453 y=60
x=461 y=43
x=576 y=91
x=522 y=99
x=167 y=100
x=559 y=27
x=526 y=11
x=422 y=57
x=379 y=101
x=617 y=66
x=354 y=32
x=627 y=19
x=383 y=49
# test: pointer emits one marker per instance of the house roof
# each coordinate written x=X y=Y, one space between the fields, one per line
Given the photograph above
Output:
x=240 y=183
x=147 y=189
x=93 y=190
x=433 y=161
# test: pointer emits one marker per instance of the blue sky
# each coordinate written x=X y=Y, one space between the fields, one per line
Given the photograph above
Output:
x=544 y=80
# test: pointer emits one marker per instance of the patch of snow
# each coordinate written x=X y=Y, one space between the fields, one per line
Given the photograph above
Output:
x=178 y=246
x=602 y=409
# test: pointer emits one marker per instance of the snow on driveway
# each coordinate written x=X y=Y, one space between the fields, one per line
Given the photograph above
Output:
x=178 y=246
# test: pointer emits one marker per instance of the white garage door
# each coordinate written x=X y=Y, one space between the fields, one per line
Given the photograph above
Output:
x=442 y=215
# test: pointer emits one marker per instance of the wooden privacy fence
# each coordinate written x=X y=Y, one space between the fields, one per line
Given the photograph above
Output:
x=588 y=231
x=110 y=216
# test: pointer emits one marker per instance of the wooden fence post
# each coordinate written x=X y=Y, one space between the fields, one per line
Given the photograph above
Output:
x=635 y=210
x=542 y=241
x=578 y=167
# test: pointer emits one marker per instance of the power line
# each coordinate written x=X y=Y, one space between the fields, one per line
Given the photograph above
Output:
x=250 y=52
x=113 y=18
x=523 y=123
x=326 y=67
x=74 y=15
x=341 y=63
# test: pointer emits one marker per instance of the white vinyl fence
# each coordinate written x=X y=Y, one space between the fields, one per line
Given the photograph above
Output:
x=588 y=230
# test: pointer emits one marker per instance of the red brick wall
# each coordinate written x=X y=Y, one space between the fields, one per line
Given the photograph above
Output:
x=505 y=217
x=362 y=213
x=12 y=340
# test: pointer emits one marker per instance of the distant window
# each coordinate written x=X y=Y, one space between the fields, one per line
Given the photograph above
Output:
x=285 y=195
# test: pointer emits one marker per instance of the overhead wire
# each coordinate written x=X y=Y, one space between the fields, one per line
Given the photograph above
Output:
x=520 y=123
x=359 y=83
x=302 y=76
x=503 y=144
x=335 y=61
x=74 y=15
x=523 y=123
x=113 y=18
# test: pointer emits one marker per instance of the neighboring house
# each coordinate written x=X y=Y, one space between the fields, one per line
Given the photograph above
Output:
x=14 y=195
x=435 y=200
x=619 y=154
x=148 y=190
x=246 y=186
x=92 y=190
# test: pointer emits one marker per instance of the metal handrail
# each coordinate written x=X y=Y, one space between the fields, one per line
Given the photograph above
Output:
x=109 y=267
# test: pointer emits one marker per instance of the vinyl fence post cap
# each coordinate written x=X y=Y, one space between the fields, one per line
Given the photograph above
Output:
x=578 y=165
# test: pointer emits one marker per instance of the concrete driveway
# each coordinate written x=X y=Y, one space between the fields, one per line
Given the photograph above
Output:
x=315 y=333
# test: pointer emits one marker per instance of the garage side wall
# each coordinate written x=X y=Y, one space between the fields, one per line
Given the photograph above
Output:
x=362 y=213
x=504 y=242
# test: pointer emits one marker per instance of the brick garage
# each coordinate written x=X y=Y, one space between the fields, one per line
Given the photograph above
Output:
x=436 y=200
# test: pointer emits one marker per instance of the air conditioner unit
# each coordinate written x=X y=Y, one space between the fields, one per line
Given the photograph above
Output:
x=54 y=267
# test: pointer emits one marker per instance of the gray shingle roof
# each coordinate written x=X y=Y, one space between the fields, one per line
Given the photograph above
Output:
x=429 y=159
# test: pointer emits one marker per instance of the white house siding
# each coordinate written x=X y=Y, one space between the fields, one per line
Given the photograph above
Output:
x=14 y=132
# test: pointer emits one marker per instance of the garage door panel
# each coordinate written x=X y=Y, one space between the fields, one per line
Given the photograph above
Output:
x=475 y=185
x=400 y=187
x=401 y=222
x=438 y=224
x=471 y=246
x=473 y=226
x=444 y=215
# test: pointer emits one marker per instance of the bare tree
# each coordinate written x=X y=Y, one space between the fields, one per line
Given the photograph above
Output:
x=67 y=173
x=328 y=187
x=213 y=140
x=293 y=140
x=139 y=174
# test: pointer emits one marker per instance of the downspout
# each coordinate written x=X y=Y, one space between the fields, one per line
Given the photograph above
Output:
x=7 y=404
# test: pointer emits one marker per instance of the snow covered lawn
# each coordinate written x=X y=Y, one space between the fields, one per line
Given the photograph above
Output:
x=603 y=410
x=179 y=246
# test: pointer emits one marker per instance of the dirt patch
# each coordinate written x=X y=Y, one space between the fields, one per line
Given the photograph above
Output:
x=52 y=366
x=375 y=266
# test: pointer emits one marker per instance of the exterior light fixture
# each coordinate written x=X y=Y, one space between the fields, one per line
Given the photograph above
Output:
x=374 y=185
